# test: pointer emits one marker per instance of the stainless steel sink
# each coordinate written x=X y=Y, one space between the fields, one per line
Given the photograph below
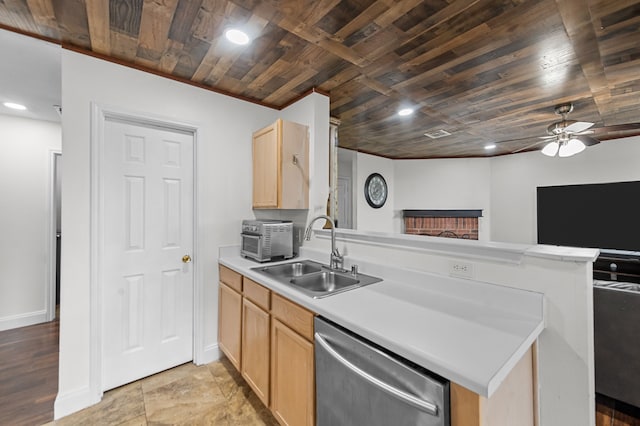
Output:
x=324 y=281
x=291 y=269
x=315 y=279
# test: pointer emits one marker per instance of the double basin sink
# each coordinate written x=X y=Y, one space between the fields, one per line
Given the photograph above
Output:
x=315 y=279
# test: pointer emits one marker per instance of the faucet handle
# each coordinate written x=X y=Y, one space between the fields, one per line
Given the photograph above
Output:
x=337 y=260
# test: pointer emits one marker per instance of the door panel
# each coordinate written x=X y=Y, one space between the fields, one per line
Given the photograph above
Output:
x=265 y=167
x=345 y=210
x=147 y=226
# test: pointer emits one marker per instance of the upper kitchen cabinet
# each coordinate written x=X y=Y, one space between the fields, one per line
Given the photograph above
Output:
x=281 y=166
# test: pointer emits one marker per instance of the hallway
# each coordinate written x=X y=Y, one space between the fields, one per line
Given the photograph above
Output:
x=28 y=374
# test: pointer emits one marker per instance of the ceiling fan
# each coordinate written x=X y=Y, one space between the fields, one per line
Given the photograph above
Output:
x=569 y=137
x=566 y=137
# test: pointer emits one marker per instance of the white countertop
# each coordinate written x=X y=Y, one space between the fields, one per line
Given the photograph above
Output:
x=469 y=332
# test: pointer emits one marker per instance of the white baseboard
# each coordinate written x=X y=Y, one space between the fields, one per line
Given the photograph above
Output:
x=211 y=353
x=69 y=402
x=23 y=320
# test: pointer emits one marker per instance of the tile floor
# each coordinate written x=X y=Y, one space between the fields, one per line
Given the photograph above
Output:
x=212 y=394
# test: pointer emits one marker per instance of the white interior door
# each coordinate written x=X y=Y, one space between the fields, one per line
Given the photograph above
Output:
x=147 y=228
x=345 y=210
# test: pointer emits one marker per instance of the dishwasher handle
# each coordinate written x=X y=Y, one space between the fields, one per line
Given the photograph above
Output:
x=422 y=405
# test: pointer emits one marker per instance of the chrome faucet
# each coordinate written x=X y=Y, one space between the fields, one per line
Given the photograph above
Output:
x=336 y=260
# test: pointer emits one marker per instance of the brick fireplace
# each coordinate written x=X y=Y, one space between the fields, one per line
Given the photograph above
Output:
x=442 y=223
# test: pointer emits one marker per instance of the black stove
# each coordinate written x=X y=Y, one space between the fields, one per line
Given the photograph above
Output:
x=617 y=266
x=616 y=324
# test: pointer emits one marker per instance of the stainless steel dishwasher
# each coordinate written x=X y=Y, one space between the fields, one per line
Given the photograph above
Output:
x=359 y=383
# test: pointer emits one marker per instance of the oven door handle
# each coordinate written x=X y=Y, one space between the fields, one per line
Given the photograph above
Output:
x=420 y=404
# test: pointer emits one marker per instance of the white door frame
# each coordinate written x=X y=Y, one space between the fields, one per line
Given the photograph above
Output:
x=99 y=115
x=50 y=291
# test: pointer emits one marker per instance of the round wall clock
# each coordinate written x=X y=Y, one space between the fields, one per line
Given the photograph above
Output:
x=375 y=190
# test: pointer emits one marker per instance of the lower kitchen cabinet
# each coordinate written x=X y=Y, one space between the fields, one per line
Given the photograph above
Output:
x=292 y=376
x=255 y=348
x=269 y=339
x=230 y=323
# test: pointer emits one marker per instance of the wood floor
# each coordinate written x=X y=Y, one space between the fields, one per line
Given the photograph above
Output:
x=610 y=412
x=213 y=394
x=28 y=374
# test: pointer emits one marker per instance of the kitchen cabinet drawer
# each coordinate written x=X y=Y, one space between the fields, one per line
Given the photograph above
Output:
x=258 y=294
x=296 y=317
x=231 y=278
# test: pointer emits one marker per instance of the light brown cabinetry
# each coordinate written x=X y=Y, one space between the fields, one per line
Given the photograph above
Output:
x=230 y=314
x=281 y=166
x=292 y=363
x=256 y=338
x=269 y=339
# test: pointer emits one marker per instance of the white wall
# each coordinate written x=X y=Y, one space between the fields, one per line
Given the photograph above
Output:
x=368 y=218
x=444 y=184
x=514 y=179
x=503 y=187
x=223 y=190
x=313 y=111
x=26 y=146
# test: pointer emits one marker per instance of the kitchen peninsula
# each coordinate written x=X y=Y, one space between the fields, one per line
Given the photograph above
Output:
x=472 y=329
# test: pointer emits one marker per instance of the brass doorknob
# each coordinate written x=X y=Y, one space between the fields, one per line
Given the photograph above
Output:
x=186 y=258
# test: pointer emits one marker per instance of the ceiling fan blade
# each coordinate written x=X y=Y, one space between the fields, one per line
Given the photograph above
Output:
x=585 y=132
x=547 y=137
x=578 y=126
x=528 y=147
x=587 y=140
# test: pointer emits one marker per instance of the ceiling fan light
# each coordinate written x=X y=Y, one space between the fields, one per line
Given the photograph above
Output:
x=550 y=149
x=572 y=147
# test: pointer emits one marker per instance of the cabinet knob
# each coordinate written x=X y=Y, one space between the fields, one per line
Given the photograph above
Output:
x=186 y=259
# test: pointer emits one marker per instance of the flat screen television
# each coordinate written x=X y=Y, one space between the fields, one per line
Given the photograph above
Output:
x=603 y=215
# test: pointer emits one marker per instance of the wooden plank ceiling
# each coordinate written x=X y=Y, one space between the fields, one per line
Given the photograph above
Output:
x=485 y=71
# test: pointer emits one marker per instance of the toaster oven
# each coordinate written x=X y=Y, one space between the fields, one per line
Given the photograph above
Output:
x=266 y=240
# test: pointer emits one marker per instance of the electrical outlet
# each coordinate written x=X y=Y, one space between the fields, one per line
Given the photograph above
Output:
x=461 y=269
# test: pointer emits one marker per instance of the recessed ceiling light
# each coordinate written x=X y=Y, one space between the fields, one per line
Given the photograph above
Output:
x=405 y=111
x=490 y=146
x=15 y=106
x=237 y=36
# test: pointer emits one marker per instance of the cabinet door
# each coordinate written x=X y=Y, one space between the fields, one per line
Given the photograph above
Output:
x=266 y=167
x=255 y=349
x=292 y=377
x=230 y=323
